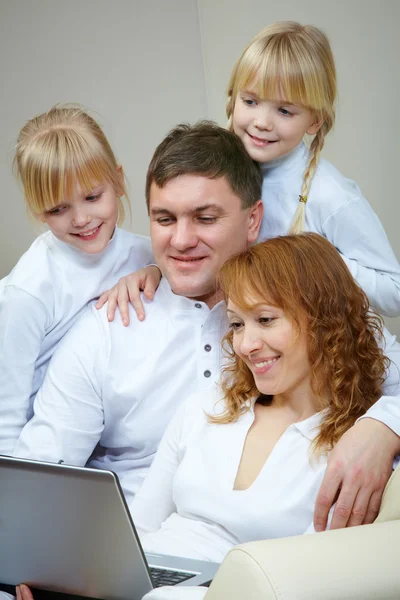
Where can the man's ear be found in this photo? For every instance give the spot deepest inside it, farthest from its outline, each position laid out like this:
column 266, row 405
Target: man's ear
column 255, row 217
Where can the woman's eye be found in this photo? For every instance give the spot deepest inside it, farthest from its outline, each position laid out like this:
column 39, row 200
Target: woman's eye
column 266, row 320
column 235, row 325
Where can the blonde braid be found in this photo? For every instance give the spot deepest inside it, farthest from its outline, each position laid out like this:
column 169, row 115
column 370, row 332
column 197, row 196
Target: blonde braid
column 317, row 144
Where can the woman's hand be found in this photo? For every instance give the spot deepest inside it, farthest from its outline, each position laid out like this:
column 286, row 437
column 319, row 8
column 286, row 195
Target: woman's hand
column 23, row 592
column 128, row 290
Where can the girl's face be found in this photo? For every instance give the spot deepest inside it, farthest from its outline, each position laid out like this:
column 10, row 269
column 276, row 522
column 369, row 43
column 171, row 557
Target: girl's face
column 270, row 129
column 273, row 348
column 85, row 221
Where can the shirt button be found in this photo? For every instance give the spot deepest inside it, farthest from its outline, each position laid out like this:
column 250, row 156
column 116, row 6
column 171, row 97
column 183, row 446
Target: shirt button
column 198, row 305
column 207, row 347
column 207, row 373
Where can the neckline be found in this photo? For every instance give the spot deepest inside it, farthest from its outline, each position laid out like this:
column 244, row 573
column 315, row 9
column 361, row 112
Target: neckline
column 296, row 160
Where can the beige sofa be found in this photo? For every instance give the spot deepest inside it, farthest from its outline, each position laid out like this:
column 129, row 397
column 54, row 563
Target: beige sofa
column 358, row 563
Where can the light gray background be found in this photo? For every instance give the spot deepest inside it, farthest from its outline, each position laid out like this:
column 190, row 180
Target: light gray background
column 143, row 66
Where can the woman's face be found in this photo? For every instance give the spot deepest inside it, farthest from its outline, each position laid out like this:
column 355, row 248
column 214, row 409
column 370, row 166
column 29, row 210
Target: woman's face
column 272, row 346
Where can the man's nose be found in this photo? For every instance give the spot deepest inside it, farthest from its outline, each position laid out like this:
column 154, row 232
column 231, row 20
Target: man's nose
column 184, row 236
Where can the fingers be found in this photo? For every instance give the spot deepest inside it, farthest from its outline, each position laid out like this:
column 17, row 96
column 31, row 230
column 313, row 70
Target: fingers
column 138, row 306
column 151, row 281
column 326, row 496
column 25, row 592
column 103, row 299
column 359, row 508
column 374, row 506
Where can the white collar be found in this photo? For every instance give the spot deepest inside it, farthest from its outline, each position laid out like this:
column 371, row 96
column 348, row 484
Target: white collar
column 296, row 160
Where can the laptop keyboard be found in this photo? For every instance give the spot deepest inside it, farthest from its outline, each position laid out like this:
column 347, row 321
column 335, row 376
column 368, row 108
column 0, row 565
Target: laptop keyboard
column 167, row 577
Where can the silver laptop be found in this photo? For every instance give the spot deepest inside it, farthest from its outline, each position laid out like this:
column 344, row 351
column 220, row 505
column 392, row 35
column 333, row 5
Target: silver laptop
column 68, row 529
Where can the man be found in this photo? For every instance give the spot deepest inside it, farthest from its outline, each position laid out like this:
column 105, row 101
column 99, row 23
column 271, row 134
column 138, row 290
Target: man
column 111, row 390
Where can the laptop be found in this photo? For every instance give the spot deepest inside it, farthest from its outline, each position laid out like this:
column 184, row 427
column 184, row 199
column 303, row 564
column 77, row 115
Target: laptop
column 68, row 529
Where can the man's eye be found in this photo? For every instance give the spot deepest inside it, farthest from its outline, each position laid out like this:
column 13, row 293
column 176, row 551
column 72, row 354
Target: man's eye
column 164, row 220
column 207, row 220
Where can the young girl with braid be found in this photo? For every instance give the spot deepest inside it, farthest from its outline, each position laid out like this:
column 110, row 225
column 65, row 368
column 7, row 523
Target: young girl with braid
column 283, row 87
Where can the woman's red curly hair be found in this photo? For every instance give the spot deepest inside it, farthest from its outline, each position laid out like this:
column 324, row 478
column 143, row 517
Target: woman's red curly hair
column 305, row 276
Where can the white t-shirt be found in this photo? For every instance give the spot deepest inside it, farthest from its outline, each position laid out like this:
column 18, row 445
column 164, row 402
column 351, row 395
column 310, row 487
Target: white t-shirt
column 39, row 301
column 110, row 391
column 337, row 210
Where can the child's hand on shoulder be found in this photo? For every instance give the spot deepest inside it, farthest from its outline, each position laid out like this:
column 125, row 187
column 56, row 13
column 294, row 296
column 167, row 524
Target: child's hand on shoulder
column 127, row 290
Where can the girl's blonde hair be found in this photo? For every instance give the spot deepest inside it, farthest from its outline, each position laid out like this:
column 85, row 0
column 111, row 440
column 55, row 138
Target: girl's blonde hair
column 306, row 277
column 58, row 150
column 294, row 61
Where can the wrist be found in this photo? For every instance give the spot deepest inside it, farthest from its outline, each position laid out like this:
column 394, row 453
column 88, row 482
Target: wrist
column 390, row 437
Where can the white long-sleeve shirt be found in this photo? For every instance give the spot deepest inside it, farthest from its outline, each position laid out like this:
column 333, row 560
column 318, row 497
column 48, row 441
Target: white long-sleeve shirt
column 188, row 506
column 110, row 391
column 39, row 301
column 337, row 210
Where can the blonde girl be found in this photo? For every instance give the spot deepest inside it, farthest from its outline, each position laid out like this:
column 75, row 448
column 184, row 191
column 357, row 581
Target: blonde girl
column 73, row 183
column 283, row 87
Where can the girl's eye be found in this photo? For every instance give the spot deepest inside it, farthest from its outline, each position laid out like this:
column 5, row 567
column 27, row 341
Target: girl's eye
column 249, row 101
column 57, row 210
column 235, row 325
column 285, row 112
column 93, row 197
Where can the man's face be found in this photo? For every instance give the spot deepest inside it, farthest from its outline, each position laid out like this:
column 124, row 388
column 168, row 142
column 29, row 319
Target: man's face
column 196, row 224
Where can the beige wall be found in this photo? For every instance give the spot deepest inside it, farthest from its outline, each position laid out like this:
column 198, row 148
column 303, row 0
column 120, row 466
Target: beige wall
column 366, row 44
column 136, row 64
column 144, row 66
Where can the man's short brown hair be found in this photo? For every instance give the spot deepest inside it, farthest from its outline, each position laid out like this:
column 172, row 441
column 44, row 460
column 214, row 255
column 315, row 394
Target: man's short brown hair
column 210, row 151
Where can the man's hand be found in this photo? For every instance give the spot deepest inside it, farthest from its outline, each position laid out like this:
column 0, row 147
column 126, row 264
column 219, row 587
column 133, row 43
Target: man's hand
column 128, row 290
column 358, row 469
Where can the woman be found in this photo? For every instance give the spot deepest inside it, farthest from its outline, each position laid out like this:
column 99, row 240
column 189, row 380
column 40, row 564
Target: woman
column 304, row 363
column 245, row 461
